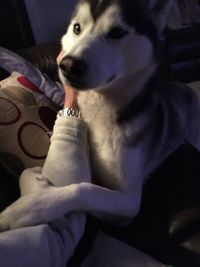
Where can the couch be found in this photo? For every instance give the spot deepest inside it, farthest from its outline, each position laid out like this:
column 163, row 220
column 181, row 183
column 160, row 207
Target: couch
column 168, row 225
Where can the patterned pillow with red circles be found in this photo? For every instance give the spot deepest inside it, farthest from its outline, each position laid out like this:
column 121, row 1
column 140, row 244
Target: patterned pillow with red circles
column 27, row 117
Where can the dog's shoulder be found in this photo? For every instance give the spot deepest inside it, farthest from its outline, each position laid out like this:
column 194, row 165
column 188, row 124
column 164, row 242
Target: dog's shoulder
column 174, row 117
column 189, row 105
column 179, row 103
column 159, row 110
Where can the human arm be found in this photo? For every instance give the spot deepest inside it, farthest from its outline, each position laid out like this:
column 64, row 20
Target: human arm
column 68, row 153
column 67, row 158
column 67, row 162
column 116, row 206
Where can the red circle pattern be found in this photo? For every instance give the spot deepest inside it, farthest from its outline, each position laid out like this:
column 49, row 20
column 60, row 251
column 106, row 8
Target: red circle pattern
column 16, row 113
column 32, row 133
column 23, row 141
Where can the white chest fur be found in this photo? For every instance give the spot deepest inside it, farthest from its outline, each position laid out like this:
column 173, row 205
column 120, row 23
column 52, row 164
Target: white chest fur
column 105, row 138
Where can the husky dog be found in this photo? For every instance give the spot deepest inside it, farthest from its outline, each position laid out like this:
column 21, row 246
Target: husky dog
column 111, row 56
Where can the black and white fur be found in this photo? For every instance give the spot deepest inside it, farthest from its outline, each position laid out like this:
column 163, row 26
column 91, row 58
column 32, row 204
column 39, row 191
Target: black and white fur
column 111, row 56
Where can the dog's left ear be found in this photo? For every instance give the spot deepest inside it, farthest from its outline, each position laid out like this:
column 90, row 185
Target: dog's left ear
column 159, row 10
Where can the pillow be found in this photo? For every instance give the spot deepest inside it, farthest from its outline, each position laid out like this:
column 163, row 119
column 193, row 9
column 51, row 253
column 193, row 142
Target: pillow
column 10, row 61
column 26, row 119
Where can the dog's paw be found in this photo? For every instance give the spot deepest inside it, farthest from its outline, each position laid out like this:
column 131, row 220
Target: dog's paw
column 36, row 208
column 24, row 212
column 15, row 215
column 4, row 224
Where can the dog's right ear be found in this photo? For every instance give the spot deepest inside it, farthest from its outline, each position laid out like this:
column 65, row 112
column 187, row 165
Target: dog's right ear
column 159, row 10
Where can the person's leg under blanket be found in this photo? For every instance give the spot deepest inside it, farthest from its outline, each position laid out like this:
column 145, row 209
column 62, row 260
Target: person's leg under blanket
column 108, row 251
column 51, row 245
column 39, row 246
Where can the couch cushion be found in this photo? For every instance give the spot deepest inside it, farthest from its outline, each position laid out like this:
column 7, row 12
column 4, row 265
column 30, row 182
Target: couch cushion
column 26, row 119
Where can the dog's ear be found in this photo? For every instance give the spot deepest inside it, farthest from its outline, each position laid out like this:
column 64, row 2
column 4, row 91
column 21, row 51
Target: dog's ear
column 159, row 10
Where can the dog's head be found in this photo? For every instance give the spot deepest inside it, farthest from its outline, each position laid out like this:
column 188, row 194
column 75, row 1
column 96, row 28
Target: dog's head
column 109, row 39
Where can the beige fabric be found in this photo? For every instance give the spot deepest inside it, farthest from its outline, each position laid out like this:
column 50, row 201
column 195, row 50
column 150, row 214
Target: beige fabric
column 26, row 118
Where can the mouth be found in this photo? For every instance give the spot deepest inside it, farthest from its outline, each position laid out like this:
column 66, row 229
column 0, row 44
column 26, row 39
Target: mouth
column 81, row 85
column 73, row 81
column 77, row 85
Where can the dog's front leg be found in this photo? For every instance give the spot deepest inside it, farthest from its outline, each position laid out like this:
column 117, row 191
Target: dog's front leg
column 32, row 209
column 39, row 207
column 117, row 207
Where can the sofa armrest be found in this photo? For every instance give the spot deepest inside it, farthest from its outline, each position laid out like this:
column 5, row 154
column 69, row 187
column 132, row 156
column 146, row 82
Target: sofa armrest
column 183, row 54
column 44, row 58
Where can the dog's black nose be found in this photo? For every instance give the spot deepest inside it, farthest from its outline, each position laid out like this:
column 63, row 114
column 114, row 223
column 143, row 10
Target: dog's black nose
column 72, row 67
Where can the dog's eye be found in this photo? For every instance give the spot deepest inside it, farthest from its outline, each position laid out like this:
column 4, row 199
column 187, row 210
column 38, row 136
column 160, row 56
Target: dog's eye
column 117, row 33
column 77, row 28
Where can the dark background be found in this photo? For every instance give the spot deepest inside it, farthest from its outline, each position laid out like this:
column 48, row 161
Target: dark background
column 15, row 29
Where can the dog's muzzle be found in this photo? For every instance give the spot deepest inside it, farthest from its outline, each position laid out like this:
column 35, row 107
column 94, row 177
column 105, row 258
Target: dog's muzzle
column 73, row 68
